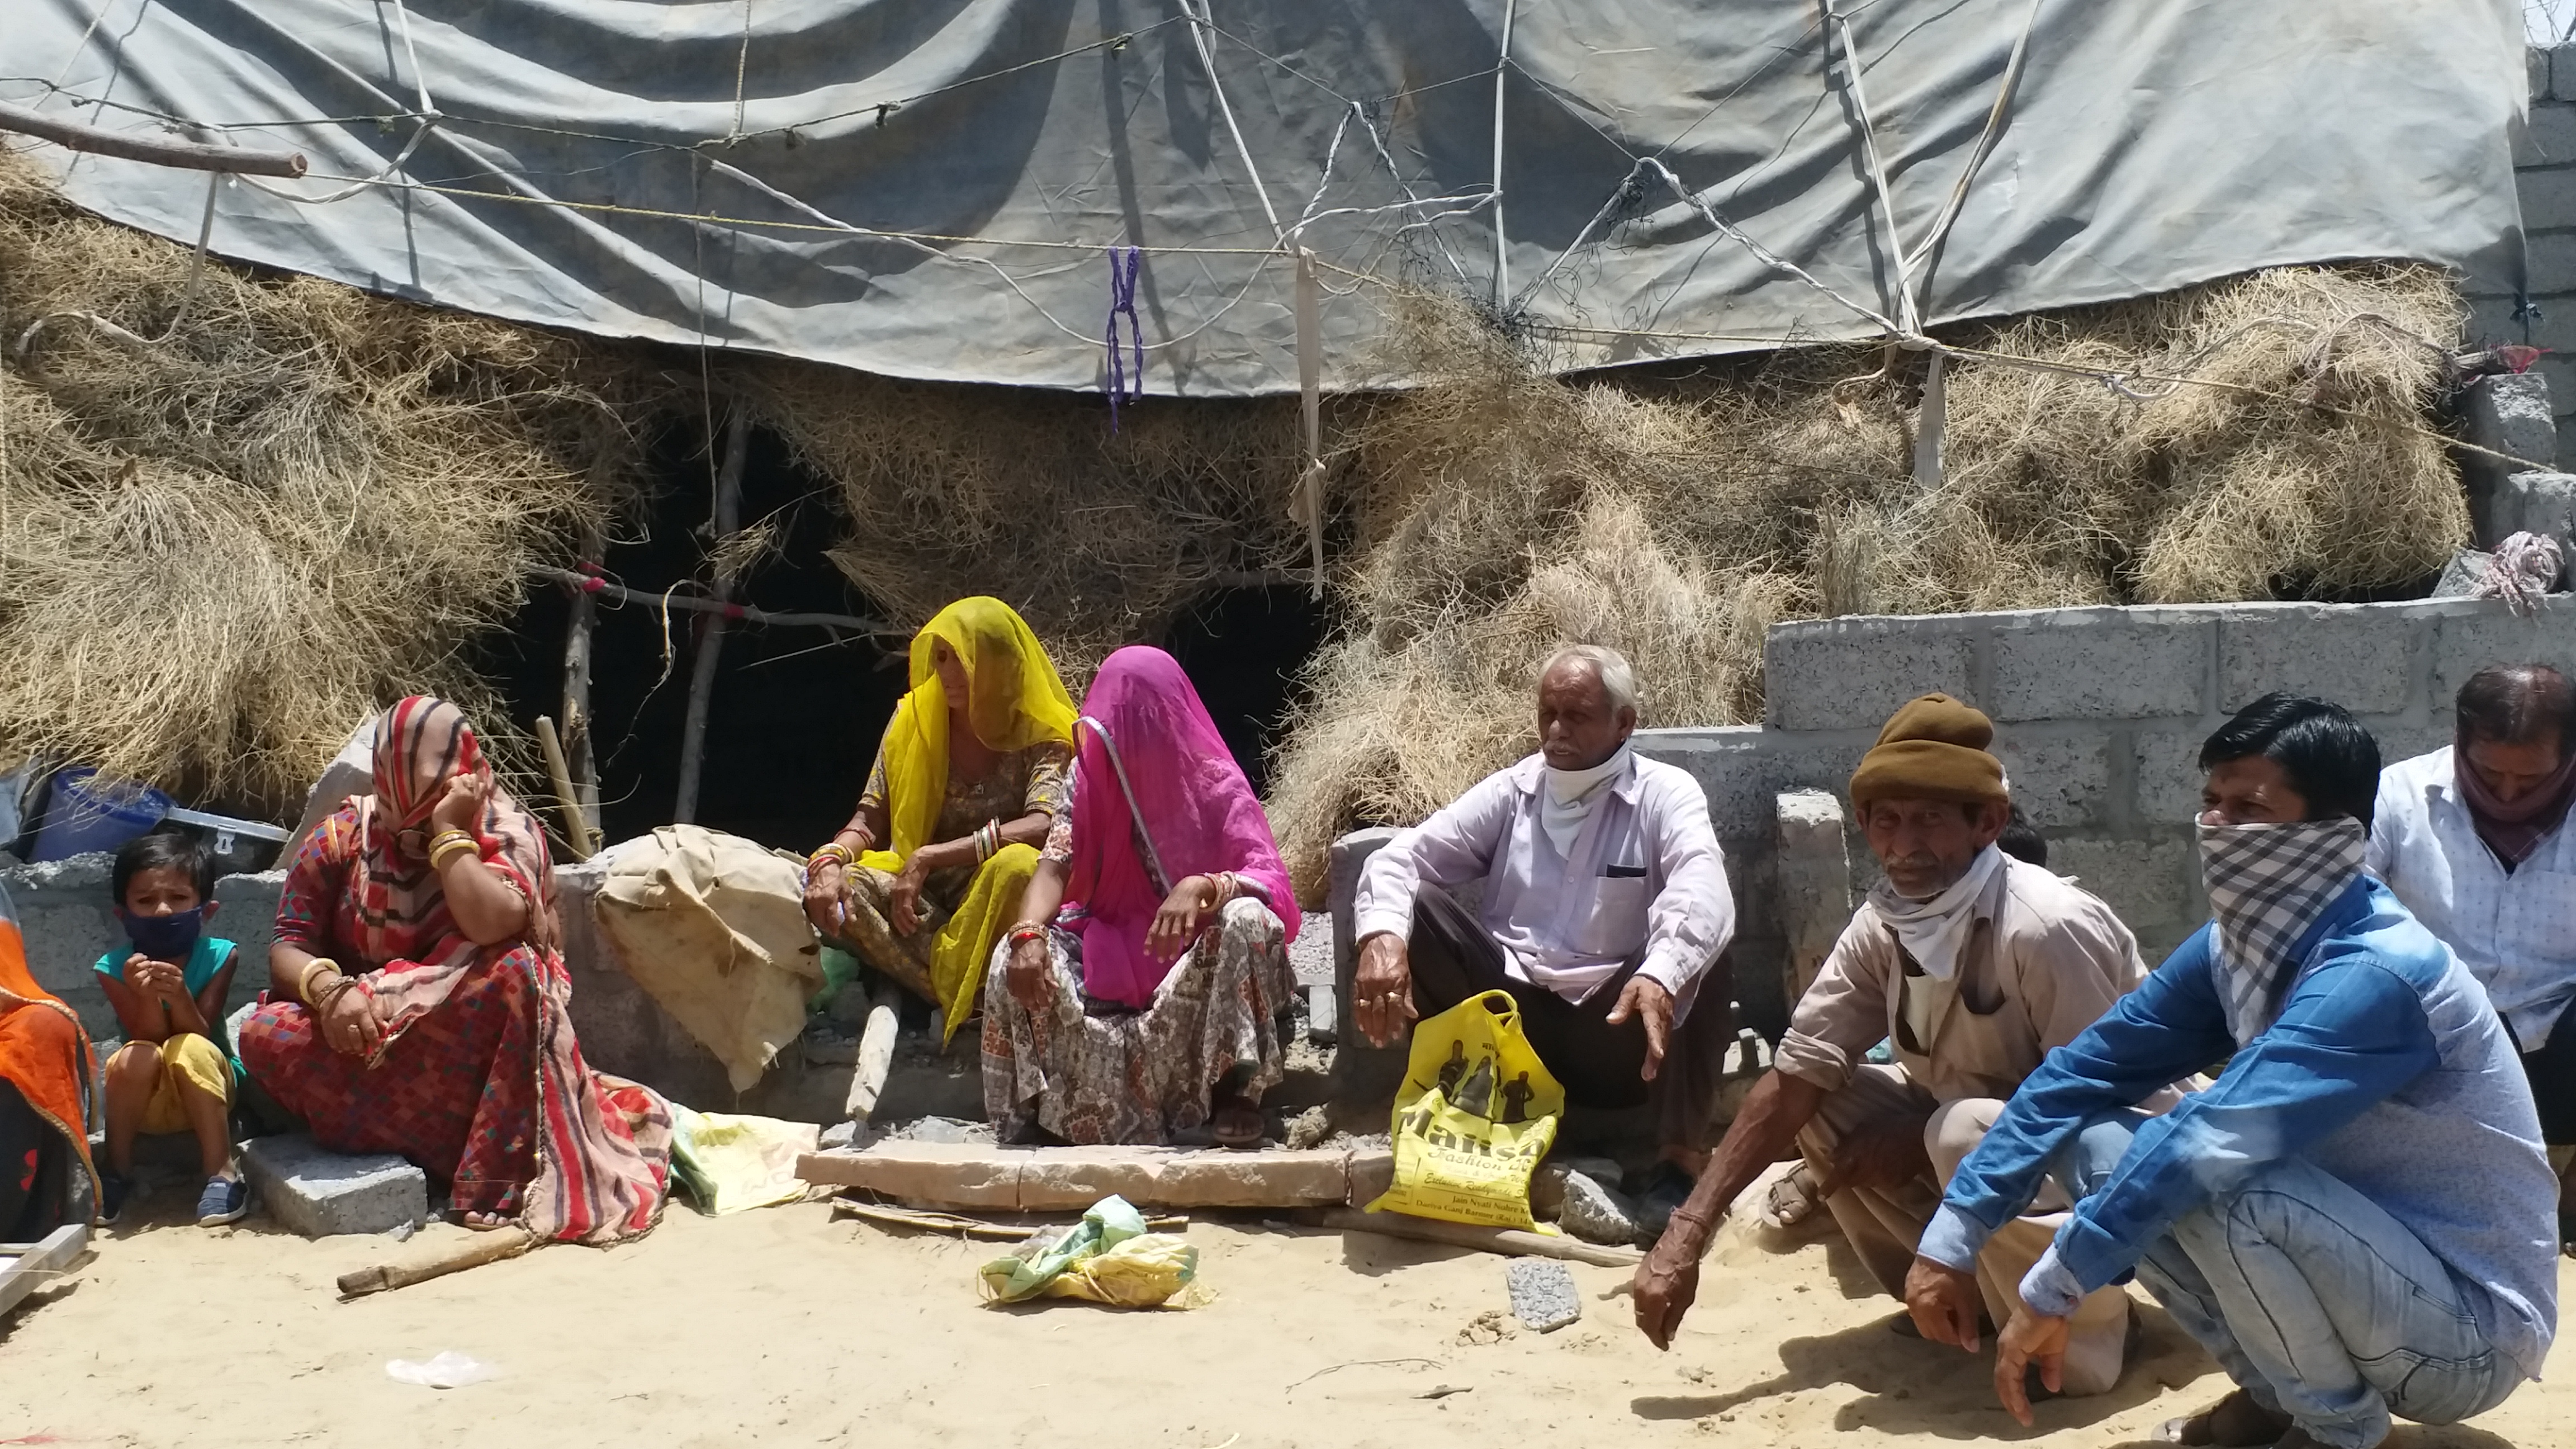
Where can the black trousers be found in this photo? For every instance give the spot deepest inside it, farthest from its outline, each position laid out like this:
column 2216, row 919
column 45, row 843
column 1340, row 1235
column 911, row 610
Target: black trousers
column 35, row 1171
column 1599, row 1064
column 2552, row 1073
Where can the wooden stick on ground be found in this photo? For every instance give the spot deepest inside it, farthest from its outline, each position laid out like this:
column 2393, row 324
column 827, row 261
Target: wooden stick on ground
column 473, row 1252
column 932, row 1221
column 1510, row 1242
column 876, row 1057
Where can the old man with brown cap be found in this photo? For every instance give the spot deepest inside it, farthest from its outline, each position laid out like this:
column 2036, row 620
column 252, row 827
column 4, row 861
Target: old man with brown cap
column 1972, row 965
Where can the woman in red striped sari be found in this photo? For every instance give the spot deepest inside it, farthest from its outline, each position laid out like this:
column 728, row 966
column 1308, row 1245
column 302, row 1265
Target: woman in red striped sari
column 417, row 1001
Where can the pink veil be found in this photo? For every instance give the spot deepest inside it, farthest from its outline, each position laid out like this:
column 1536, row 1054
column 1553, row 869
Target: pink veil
column 1195, row 807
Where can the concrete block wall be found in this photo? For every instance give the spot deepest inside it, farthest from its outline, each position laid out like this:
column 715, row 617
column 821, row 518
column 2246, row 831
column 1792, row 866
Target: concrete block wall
column 2100, row 714
column 2545, row 175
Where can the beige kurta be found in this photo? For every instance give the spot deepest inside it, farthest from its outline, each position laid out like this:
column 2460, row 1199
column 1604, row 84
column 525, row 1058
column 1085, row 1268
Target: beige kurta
column 2044, row 961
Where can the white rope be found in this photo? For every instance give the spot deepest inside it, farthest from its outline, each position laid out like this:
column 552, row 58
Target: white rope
column 1502, row 246
column 1200, row 24
column 1841, row 27
column 428, row 117
column 1764, row 254
column 1985, row 146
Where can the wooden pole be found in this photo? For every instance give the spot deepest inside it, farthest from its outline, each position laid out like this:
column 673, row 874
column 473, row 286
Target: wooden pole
column 1511, row 1242
column 876, row 1058
column 195, row 155
column 473, row 1252
column 579, row 843
column 579, row 762
column 702, row 678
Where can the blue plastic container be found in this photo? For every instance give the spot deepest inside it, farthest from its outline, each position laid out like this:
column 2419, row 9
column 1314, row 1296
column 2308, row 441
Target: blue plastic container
column 84, row 813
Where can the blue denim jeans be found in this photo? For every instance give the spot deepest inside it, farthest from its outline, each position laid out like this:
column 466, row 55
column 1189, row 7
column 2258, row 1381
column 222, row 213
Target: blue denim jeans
column 2314, row 1299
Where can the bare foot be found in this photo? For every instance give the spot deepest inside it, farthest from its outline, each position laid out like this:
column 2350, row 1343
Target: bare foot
column 485, row 1222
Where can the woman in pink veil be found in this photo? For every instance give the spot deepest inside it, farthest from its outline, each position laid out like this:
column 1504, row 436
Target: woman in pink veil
column 1139, row 997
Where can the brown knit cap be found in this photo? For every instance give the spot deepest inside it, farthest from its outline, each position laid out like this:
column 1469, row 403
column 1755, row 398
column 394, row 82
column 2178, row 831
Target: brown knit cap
column 1933, row 748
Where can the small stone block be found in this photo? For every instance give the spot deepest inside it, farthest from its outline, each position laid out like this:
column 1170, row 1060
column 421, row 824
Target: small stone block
column 1372, row 1174
column 943, row 1174
column 1597, row 1214
column 1050, row 1179
column 320, row 1194
column 1543, row 1294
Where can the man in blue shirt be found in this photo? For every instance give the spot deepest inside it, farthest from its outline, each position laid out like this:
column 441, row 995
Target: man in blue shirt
column 2356, row 1220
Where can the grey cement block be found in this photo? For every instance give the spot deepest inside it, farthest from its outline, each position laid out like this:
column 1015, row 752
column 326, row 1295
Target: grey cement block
column 2168, row 776
column 246, row 913
column 1360, row 1071
column 1813, row 861
column 2525, row 502
column 2102, row 664
column 2535, row 65
column 2550, row 258
column 2562, row 70
column 2461, row 575
column 1821, row 674
column 2060, row 781
column 1543, row 1294
column 65, row 916
column 2152, row 884
column 1742, row 768
column 2548, row 137
column 2511, row 415
column 2359, row 658
column 318, row 1193
column 2548, row 199
column 2470, row 635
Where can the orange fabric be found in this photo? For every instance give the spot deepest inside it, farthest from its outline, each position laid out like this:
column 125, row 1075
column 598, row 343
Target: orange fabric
column 43, row 1051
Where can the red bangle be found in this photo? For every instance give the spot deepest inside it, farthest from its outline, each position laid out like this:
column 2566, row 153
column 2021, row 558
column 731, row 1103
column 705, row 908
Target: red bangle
column 1027, row 931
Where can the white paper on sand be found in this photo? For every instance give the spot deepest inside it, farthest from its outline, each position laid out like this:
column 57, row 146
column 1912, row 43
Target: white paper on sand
column 450, row 1370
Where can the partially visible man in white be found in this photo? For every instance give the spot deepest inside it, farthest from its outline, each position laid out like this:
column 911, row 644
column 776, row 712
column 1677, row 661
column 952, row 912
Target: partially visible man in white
column 2472, row 839
column 1605, row 907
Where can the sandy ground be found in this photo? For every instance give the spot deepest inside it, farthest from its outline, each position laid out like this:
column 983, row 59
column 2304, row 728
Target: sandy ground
column 783, row 1327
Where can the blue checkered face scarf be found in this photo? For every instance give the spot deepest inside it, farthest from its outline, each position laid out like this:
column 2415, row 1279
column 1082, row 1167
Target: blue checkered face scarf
column 2267, row 885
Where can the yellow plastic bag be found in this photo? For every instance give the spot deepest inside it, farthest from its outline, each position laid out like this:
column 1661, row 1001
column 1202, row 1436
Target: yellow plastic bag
column 1477, row 1112
column 1108, row 1257
column 1142, row 1272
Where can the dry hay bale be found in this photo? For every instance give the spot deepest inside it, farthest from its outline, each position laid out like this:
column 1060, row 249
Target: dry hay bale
column 1504, row 511
column 1099, row 538
column 221, row 547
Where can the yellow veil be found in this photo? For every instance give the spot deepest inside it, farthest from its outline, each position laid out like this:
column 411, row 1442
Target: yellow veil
column 1014, row 699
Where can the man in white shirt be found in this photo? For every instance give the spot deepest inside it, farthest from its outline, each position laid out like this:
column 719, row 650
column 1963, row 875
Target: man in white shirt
column 1605, row 904
column 2473, row 840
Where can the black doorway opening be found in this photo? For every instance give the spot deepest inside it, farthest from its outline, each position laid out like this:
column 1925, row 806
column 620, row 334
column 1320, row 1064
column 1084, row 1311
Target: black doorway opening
column 794, row 719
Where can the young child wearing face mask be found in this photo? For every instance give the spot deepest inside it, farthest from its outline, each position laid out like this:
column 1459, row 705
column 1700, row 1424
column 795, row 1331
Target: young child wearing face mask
column 168, row 986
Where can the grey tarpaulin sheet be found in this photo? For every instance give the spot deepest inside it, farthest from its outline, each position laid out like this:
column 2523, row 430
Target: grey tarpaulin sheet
column 924, row 188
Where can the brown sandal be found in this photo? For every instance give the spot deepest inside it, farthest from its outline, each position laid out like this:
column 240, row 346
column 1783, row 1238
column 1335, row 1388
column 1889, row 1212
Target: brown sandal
column 2234, row 1422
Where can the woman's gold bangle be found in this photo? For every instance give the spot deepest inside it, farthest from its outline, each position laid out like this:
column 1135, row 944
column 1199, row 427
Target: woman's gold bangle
column 448, row 845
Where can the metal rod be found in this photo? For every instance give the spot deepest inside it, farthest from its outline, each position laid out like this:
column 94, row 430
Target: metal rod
column 195, row 155
column 745, row 613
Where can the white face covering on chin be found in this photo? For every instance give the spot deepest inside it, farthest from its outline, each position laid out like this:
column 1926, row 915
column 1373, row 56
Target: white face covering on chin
column 1570, row 795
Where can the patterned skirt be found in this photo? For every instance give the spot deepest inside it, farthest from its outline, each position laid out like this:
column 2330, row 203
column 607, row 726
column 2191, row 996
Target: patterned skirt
column 1107, row 1074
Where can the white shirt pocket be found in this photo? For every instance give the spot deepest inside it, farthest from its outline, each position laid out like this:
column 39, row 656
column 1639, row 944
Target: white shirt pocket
column 1611, row 921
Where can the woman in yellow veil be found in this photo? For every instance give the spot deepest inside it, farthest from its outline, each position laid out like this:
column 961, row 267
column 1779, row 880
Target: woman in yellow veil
column 970, row 775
